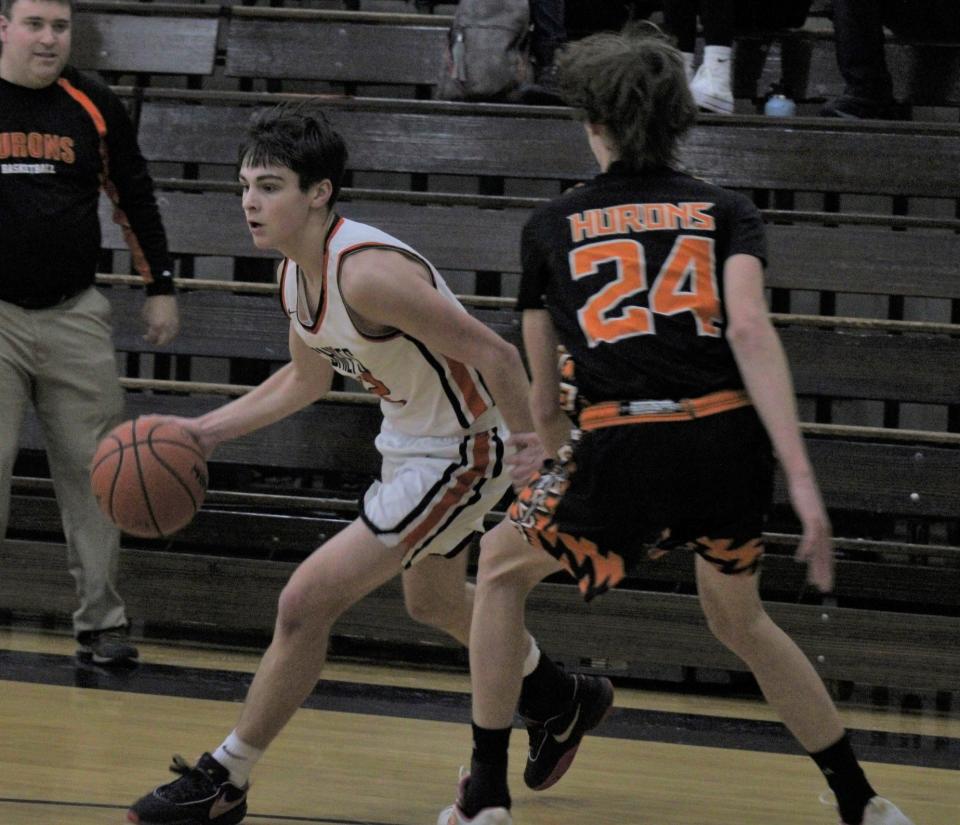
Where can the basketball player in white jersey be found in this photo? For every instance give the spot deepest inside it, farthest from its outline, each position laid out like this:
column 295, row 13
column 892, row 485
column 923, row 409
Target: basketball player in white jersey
column 452, row 392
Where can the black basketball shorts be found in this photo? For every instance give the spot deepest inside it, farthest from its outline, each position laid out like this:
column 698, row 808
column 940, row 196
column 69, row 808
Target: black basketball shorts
column 634, row 491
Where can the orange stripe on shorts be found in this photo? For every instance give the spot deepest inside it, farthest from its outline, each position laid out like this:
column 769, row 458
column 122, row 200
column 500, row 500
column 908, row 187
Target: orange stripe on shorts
column 461, row 487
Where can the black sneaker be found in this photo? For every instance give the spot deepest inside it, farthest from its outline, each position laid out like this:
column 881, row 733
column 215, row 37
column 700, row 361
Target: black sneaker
column 106, row 647
column 203, row 795
column 554, row 743
column 544, row 91
column 850, row 107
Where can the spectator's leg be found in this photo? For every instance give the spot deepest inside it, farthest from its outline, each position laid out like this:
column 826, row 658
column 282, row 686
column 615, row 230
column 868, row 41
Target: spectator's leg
column 859, row 38
column 943, row 15
column 15, row 357
column 764, row 16
column 711, row 86
column 78, row 400
column 933, row 20
column 549, row 31
column 548, row 18
column 717, row 18
column 680, row 19
column 909, row 18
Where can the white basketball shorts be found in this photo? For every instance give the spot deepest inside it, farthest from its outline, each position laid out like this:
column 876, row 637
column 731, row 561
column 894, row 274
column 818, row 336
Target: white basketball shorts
column 434, row 492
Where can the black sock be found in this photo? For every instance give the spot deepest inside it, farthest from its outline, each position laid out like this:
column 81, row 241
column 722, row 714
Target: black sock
column 846, row 779
column 546, row 692
column 487, row 787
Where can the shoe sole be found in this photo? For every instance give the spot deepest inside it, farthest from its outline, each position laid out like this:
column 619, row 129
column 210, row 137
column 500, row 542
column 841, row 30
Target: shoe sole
column 234, row 817
column 449, row 816
column 565, row 761
column 711, row 103
column 844, row 116
column 92, row 658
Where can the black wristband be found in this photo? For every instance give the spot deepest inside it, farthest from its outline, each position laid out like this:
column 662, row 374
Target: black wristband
column 162, row 284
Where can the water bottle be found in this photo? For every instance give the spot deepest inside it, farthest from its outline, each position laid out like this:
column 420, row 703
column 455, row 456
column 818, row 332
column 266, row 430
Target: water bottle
column 778, row 104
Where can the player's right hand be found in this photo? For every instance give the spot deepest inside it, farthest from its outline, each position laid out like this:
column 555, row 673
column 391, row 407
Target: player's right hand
column 192, row 426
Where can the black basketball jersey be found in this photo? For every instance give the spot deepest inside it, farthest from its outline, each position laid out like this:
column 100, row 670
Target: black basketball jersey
column 630, row 268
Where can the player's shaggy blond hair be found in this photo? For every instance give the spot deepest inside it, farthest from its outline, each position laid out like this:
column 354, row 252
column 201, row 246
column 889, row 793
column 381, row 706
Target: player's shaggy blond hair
column 633, row 83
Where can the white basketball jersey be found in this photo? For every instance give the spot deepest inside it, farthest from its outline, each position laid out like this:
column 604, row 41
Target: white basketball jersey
column 422, row 393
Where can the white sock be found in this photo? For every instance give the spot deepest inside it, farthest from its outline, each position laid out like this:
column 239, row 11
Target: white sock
column 716, row 57
column 688, row 58
column 533, row 658
column 237, row 757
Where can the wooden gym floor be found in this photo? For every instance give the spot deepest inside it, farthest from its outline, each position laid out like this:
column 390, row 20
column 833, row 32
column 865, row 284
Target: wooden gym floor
column 381, row 746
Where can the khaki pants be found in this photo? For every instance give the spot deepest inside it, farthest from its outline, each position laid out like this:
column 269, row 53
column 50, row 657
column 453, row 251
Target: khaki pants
column 61, row 360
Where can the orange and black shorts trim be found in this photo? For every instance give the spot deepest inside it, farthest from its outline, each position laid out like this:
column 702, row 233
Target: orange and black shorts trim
column 619, row 413
column 597, row 568
column 731, row 556
column 533, row 513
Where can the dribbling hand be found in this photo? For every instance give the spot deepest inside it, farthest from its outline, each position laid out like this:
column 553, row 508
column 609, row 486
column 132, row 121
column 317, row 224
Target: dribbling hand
column 525, row 455
column 188, row 424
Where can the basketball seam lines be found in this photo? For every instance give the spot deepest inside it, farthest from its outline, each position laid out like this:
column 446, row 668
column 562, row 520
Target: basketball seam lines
column 116, row 472
column 143, row 486
column 160, row 460
column 120, row 447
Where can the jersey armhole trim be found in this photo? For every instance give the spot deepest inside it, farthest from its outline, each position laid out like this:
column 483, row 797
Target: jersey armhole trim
column 360, row 247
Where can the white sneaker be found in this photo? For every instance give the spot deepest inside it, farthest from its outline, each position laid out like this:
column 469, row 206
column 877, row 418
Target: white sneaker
column 452, row 815
column 488, row 816
column 879, row 811
column 710, row 88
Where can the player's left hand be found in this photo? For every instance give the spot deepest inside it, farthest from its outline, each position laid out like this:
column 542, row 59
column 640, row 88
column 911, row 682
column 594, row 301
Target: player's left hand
column 162, row 318
column 525, row 455
column 816, row 543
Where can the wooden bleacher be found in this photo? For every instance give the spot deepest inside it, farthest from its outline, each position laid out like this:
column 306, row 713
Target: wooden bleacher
column 305, row 44
column 119, row 38
column 342, row 47
column 542, row 143
column 894, row 488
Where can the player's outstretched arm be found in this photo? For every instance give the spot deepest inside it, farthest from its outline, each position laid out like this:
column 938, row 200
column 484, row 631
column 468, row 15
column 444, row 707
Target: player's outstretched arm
column 307, row 378
column 763, row 365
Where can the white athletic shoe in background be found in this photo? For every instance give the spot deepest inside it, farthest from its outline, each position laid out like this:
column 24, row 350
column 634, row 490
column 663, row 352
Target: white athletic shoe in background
column 452, row 815
column 710, row 88
column 488, row 816
column 879, row 811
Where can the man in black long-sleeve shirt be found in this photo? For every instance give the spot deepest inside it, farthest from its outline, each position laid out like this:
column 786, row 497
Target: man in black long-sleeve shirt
column 64, row 136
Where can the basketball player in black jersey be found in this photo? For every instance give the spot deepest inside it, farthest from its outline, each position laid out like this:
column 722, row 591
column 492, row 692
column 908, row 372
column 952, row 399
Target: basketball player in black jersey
column 650, row 282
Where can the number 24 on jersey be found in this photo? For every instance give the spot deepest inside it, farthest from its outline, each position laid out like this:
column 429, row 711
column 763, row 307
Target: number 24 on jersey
column 687, row 282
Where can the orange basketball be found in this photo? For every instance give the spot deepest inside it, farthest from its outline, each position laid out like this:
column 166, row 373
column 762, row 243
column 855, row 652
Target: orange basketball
column 149, row 477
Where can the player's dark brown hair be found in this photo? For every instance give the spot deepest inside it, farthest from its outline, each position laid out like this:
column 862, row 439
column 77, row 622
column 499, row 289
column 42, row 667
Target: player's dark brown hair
column 297, row 135
column 633, row 83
